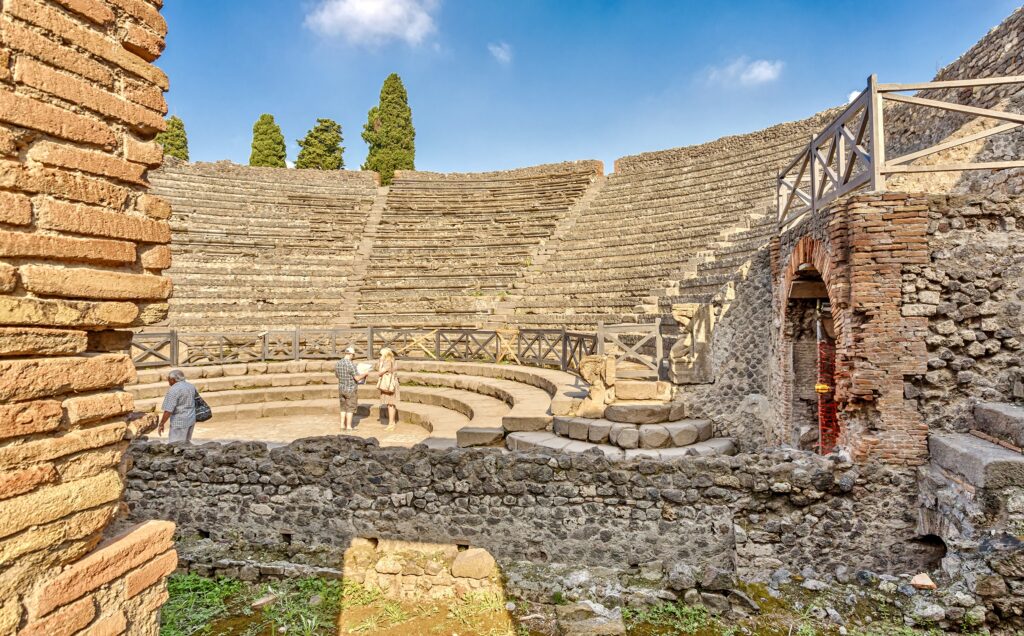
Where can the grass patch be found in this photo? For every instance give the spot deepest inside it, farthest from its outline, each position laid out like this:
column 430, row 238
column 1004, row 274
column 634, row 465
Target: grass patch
column 195, row 602
column 682, row 618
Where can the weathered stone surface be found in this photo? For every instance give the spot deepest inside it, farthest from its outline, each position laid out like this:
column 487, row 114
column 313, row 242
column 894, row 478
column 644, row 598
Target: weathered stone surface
column 151, row 314
column 639, row 412
column 1004, row 421
column 654, row 436
column 8, row 278
column 49, row 448
column 155, row 257
column 15, row 209
column 109, row 341
column 64, row 313
column 48, row 504
column 64, row 622
column 30, row 379
column 44, row 246
column 94, row 408
column 474, row 563
column 115, row 557
column 17, row 482
column 20, row 341
column 150, row 573
column 96, row 221
column 27, row 418
column 90, row 283
column 983, row 464
column 479, row 436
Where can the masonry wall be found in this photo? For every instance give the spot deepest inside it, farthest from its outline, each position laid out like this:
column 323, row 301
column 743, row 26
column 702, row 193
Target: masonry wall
column 746, row 515
column 971, row 293
column 862, row 246
column 82, row 246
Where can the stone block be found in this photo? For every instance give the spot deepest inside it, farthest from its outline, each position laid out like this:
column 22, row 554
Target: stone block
column 682, row 433
column 148, row 153
column 15, row 209
column 53, row 502
column 579, row 429
column 134, row 547
column 1004, row 421
column 526, row 423
column 22, row 341
column 474, row 563
column 8, row 278
column 45, row 246
column 654, row 436
column 110, row 341
column 154, row 207
column 479, row 436
column 94, row 284
column 625, row 437
column 48, row 448
column 95, row 221
column 65, row 313
column 599, row 431
column 28, row 379
column 93, row 10
column 18, row 482
column 97, row 163
column 66, row 621
column 27, row 418
column 150, row 573
column 87, row 409
column 643, row 390
column 21, row 38
column 155, row 257
column 638, row 412
column 983, row 464
column 28, row 112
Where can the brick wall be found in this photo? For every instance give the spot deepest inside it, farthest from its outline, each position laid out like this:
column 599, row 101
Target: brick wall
column 81, row 251
column 863, row 245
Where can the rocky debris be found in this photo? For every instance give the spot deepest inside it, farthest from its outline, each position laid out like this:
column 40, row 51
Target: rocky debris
column 587, row 618
column 923, row 582
column 474, row 563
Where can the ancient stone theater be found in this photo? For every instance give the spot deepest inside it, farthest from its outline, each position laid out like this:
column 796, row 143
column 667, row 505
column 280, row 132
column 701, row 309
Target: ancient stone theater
column 793, row 355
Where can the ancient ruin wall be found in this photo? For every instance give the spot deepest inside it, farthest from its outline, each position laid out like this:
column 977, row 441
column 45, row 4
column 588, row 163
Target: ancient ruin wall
column 263, row 248
column 971, row 292
column 82, row 247
column 746, row 515
column 862, row 246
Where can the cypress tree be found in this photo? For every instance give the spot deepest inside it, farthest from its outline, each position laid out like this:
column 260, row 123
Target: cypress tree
column 321, row 148
column 267, row 143
column 173, row 139
column 389, row 132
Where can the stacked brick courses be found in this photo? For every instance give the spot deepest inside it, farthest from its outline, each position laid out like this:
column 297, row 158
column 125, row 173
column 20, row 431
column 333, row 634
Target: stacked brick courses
column 80, row 263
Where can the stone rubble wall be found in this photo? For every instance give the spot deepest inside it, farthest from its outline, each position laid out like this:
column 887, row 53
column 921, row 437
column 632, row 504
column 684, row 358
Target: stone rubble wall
column 263, row 248
column 701, row 517
column 971, row 293
column 82, row 248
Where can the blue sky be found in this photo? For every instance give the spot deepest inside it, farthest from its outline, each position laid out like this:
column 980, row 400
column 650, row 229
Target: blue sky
column 497, row 85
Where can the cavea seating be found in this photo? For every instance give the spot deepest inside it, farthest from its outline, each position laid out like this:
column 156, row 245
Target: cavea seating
column 258, row 248
column 448, row 246
column 655, row 213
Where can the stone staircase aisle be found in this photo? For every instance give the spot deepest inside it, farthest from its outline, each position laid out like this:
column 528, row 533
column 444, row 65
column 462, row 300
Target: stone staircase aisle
column 362, row 255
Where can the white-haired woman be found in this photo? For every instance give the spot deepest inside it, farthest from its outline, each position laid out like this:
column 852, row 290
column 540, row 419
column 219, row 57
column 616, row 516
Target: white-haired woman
column 388, row 384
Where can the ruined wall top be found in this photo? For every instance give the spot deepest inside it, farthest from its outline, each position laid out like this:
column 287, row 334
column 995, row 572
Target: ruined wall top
column 584, row 165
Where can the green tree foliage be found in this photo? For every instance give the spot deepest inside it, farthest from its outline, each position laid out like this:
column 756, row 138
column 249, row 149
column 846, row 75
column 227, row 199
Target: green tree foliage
column 389, row 132
column 321, row 148
column 267, row 143
column 173, row 139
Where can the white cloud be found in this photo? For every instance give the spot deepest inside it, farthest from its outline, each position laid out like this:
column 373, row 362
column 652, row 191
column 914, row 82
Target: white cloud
column 852, row 96
column 746, row 72
column 502, row 51
column 289, row 164
column 374, row 22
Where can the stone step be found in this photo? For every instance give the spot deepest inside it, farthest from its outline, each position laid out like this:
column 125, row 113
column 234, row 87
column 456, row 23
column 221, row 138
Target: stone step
column 1001, row 420
column 645, row 412
column 982, row 463
column 479, row 436
column 601, row 431
column 548, row 441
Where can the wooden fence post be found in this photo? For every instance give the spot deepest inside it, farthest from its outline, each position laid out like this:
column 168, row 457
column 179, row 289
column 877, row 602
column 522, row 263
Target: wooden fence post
column 875, row 105
column 295, row 344
column 174, row 348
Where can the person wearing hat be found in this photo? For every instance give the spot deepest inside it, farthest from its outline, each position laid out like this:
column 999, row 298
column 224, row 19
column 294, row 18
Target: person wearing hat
column 348, row 387
column 388, row 384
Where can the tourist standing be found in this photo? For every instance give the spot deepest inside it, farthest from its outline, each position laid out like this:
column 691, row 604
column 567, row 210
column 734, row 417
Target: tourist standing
column 348, row 387
column 179, row 408
column 388, row 384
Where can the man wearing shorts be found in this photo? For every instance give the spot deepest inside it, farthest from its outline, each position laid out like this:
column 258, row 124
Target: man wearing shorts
column 348, row 387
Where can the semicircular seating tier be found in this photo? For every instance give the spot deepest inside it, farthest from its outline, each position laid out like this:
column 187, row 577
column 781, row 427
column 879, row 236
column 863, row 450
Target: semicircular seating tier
column 658, row 216
column 449, row 246
column 262, row 248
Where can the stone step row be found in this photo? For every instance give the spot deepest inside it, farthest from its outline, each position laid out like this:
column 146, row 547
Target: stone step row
column 541, row 440
column 603, row 431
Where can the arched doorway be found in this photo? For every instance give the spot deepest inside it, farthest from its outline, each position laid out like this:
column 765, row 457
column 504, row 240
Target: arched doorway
column 810, row 360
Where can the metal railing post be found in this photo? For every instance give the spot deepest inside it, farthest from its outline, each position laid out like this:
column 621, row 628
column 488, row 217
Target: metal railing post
column 877, row 148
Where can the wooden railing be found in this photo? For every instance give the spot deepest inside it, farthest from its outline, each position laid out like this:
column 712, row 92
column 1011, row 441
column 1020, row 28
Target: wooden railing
column 849, row 154
column 558, row 348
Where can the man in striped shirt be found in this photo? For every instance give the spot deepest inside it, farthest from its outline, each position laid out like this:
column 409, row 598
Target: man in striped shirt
column 348, row 387
column 179, row 408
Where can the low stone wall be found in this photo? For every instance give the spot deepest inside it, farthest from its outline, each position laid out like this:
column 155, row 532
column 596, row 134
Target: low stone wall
column 702, row 521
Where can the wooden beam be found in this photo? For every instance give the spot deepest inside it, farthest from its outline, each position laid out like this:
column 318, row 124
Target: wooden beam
column 922, row 86
column 952, row 144
column 957, row 167
column 807, row 289
column 959, row 108
column 875, row 107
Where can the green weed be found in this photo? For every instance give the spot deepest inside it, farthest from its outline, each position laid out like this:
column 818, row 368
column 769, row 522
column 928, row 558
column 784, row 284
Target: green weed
column 685, row 619
column 194, row 602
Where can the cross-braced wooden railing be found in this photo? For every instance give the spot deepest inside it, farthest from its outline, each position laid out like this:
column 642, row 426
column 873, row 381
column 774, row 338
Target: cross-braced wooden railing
column 560, row 348
column 849, row 154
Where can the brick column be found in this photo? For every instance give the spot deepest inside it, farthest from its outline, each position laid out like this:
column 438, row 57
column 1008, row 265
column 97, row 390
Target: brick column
column 82, row 247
